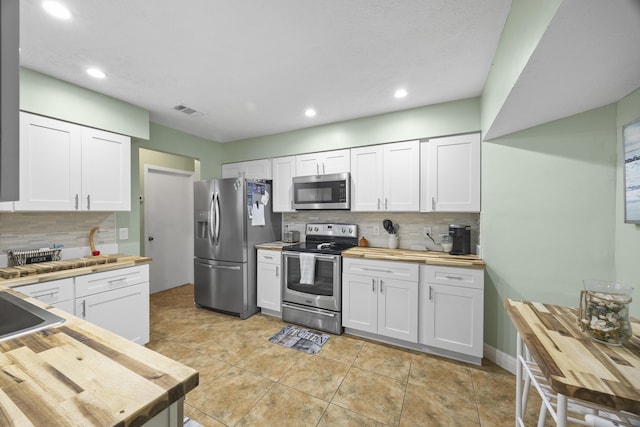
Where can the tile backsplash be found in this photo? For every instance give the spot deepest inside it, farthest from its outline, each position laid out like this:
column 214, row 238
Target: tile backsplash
column 44, row 229
column 410, row 233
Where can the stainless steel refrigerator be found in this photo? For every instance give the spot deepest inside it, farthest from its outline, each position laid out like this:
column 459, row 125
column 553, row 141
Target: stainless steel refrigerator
column 232, row 215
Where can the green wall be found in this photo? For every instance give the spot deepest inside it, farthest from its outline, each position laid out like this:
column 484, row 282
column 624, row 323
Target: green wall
column 169, row 141
column 434, row 120
column 525, row 26
column 627, row 235
column 548, row 214
column 48, row 96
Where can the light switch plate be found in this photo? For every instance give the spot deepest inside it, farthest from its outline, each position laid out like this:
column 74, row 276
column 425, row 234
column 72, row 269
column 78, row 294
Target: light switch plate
column 123, row 233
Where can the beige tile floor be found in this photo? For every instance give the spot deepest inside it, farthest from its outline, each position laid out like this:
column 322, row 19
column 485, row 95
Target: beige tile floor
column 247, row 381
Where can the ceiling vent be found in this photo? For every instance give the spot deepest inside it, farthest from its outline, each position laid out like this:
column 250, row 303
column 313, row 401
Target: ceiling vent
column 188, row 111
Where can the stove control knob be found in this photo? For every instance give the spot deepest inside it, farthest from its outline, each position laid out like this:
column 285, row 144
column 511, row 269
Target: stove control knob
column 343, row 230
column 310, row 228
column 349, row 231
column 316, row 229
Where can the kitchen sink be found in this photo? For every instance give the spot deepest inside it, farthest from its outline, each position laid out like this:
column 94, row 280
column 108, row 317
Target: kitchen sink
column 18, row 317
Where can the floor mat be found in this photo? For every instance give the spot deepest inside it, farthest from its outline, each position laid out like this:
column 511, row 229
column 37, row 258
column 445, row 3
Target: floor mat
column 300, row 339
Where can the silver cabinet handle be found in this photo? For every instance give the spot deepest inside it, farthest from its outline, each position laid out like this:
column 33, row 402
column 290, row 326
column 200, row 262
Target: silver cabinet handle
column 386, row 204
column 267, row 256
column 76, row 201
column 454, row 277
column 373, row 284
column 381, row 289
column 323, row 169
column 84, row 308
column 376, row 269
column 433, row 203
column 88, row 202
column 277, row 271
column 430, row 293
column 291, row 204
column 378, row 203
column 317, row 168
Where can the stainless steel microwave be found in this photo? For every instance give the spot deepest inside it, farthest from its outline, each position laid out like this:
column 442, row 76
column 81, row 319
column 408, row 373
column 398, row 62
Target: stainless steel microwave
column 331, row 191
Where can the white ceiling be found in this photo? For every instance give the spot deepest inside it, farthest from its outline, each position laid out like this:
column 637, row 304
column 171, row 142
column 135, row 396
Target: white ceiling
column 253, row 67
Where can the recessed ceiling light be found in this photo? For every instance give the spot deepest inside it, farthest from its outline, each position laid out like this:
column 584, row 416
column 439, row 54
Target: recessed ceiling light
column 94, row 72
column 56, row 9
column 400, row 93
column 310, row 112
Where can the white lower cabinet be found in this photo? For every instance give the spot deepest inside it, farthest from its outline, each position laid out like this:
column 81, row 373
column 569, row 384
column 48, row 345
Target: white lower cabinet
column 381, row 297
column 58, row 293
column 117, row 300
column 269, row 280
column 452, row 309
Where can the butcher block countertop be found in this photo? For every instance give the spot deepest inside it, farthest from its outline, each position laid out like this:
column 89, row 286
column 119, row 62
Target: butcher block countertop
column 45, row 271
column 274, row 246
column 79, row 374
column 574, row 364
column 422, row 257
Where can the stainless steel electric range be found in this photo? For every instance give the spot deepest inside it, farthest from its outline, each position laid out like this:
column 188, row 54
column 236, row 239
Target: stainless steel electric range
column 312, row 288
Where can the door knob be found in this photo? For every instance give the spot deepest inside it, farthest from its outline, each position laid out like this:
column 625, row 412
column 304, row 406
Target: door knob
column 150, row 238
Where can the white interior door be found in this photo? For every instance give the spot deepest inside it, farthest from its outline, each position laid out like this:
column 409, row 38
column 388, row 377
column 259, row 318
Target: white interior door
column 168, row 226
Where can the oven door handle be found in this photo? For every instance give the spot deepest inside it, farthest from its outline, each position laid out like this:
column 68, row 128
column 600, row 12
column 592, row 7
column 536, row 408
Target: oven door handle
column 326, row 257
column 309, row 310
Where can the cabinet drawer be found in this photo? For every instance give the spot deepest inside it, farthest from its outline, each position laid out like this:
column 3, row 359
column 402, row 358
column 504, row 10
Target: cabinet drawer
column 50, row 292
column 465, row 277
column 383, row 269
column 108, row 280
column 269, row 257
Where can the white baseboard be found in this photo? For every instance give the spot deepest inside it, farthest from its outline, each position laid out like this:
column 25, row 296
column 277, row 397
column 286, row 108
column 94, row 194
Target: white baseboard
column 500, row 358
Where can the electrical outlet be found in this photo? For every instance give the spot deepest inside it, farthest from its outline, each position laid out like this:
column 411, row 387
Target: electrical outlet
column 123, row 233
column 376, row 230
column 426, row 231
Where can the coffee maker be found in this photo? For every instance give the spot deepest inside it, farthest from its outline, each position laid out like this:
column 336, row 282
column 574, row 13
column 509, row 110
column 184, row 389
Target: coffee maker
column 461, row 239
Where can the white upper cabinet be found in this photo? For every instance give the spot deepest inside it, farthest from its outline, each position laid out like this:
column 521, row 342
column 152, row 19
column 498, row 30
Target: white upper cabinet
column 252, row 169
column 106, row 171
column 325, row 162
column 386, row 177
column 450, row 175
column 67, row 167
column 284, row 169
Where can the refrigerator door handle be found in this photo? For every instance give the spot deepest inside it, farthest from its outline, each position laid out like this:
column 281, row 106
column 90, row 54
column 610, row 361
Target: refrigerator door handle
column 216, row 202
column 222, row 267
column 211, row 236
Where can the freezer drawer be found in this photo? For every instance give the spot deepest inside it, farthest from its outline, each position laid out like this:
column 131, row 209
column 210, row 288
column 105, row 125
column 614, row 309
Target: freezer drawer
column 221, row 286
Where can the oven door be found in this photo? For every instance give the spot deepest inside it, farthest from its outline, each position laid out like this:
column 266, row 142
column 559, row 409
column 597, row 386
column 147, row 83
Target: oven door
column 325, row 291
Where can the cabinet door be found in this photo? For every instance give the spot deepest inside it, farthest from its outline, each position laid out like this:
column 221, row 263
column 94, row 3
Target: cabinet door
column 233, row 170
column 123, row 311
column 366, row 179
column 336, row 161
column 360, row 302
column 269, row 286
column 452, row 179
column 402, row 176
column 258, row 169
column 452, row 318
column 49, row 164
column 398, row 309
column 309, row 164
column 284, row 169
column 106, row 171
